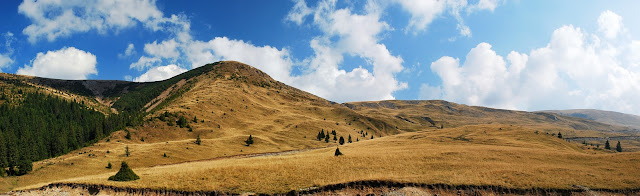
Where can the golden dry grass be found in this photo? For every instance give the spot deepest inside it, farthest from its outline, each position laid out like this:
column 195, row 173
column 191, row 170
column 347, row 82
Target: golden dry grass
column 472, row 155
column 478, row 146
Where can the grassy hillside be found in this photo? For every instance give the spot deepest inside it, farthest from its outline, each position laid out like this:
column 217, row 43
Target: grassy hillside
column 405, row 141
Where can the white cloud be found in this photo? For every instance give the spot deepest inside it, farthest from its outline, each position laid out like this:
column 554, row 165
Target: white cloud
column 423, row 12
column 164, row 49
column 299, row 12
column 131, row 50
column 5, row 58
column 66, row 63
column 576, row 69
column 53, row 18
column 610, row 24
column 144, row 62
column 5, row 61
column 160, row 73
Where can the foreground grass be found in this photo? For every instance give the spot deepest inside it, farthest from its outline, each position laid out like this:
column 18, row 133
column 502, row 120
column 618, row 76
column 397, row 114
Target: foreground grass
column 474, row 155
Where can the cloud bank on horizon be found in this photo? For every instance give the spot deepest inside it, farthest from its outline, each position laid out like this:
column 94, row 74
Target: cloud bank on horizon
column 577, row 68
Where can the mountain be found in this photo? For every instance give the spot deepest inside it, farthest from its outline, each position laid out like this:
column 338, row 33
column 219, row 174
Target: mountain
column 220, row 105
column 608, row 117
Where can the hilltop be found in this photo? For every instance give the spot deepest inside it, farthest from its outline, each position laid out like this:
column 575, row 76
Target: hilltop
column 223, row 103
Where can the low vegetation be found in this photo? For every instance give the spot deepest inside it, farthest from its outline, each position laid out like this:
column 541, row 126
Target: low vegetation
column 124, row 174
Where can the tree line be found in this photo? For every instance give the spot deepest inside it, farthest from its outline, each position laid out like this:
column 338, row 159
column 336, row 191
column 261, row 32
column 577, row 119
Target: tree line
column 42, row 126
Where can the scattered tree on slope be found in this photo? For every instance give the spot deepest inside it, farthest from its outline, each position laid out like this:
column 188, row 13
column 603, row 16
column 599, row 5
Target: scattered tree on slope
column 124, row 174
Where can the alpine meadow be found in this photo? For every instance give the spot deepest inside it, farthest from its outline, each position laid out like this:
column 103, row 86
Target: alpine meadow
column 326, row 97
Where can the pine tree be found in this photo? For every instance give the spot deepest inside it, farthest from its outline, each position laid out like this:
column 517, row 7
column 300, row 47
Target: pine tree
column 338, row 153
column 326, row 138
column 195, row 119
column 124, row 174
column 109, row 166
column 618, row 147
column 606, row 145
column 126, row 151
column 335, row 138
column 249, row 140
column 559, row 135
column 341, row 140
column 198, row 141
column 128, row 136
column 333, row 132
column 371, row 136
column 349, row 138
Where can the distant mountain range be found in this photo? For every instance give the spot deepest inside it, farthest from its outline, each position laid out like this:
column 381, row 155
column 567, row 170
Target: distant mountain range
column 608, row 117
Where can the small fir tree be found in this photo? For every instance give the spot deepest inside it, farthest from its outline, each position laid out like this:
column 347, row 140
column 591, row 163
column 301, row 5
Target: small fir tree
column 607, row 145
column 128, row 136
column 109, row 166
column 618, row 147
column 124, row 174
column 249, row 140
column 126, row 151
column 349, row 138
column 559, row 135
column 326, row 138
column 195, row 119
column 341, row 140
column 335, row 139
column 198, row 141
column 338, row 153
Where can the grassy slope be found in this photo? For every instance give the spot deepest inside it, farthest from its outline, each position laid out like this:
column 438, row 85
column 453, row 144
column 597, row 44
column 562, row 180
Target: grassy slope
column 503, row 155
column 503, row 150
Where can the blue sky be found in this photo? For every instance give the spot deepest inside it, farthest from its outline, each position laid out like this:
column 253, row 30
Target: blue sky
column 525, row 55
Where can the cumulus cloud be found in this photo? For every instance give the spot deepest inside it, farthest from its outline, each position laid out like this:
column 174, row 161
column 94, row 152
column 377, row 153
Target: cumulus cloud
column 160, row 73
column 164, row 49
column 610, row 24
column 576, row 69
column 299, row 11
column 66, row 63
column 5, row 61
column 52, row 19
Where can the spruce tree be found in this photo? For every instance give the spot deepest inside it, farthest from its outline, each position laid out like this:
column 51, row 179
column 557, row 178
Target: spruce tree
column 124, row 174
column 126, row 151
column 335, row 138
column 249, row 140
column 559, row 135
column 349, row 138
column 195, row 119
column 606, row 145
column 326, row 138
column 109, row 166
column 198, row 141
column 341, row 140
column 618, row 147
column 338, row 153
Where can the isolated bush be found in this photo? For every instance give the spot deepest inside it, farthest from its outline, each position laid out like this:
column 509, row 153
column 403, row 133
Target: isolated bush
column 559, row 135
column 249, row 140
column 198, row 141
column 341, row 140
column 182, row 122
column 109, row 166
column 338, row 153
column 124, row 174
